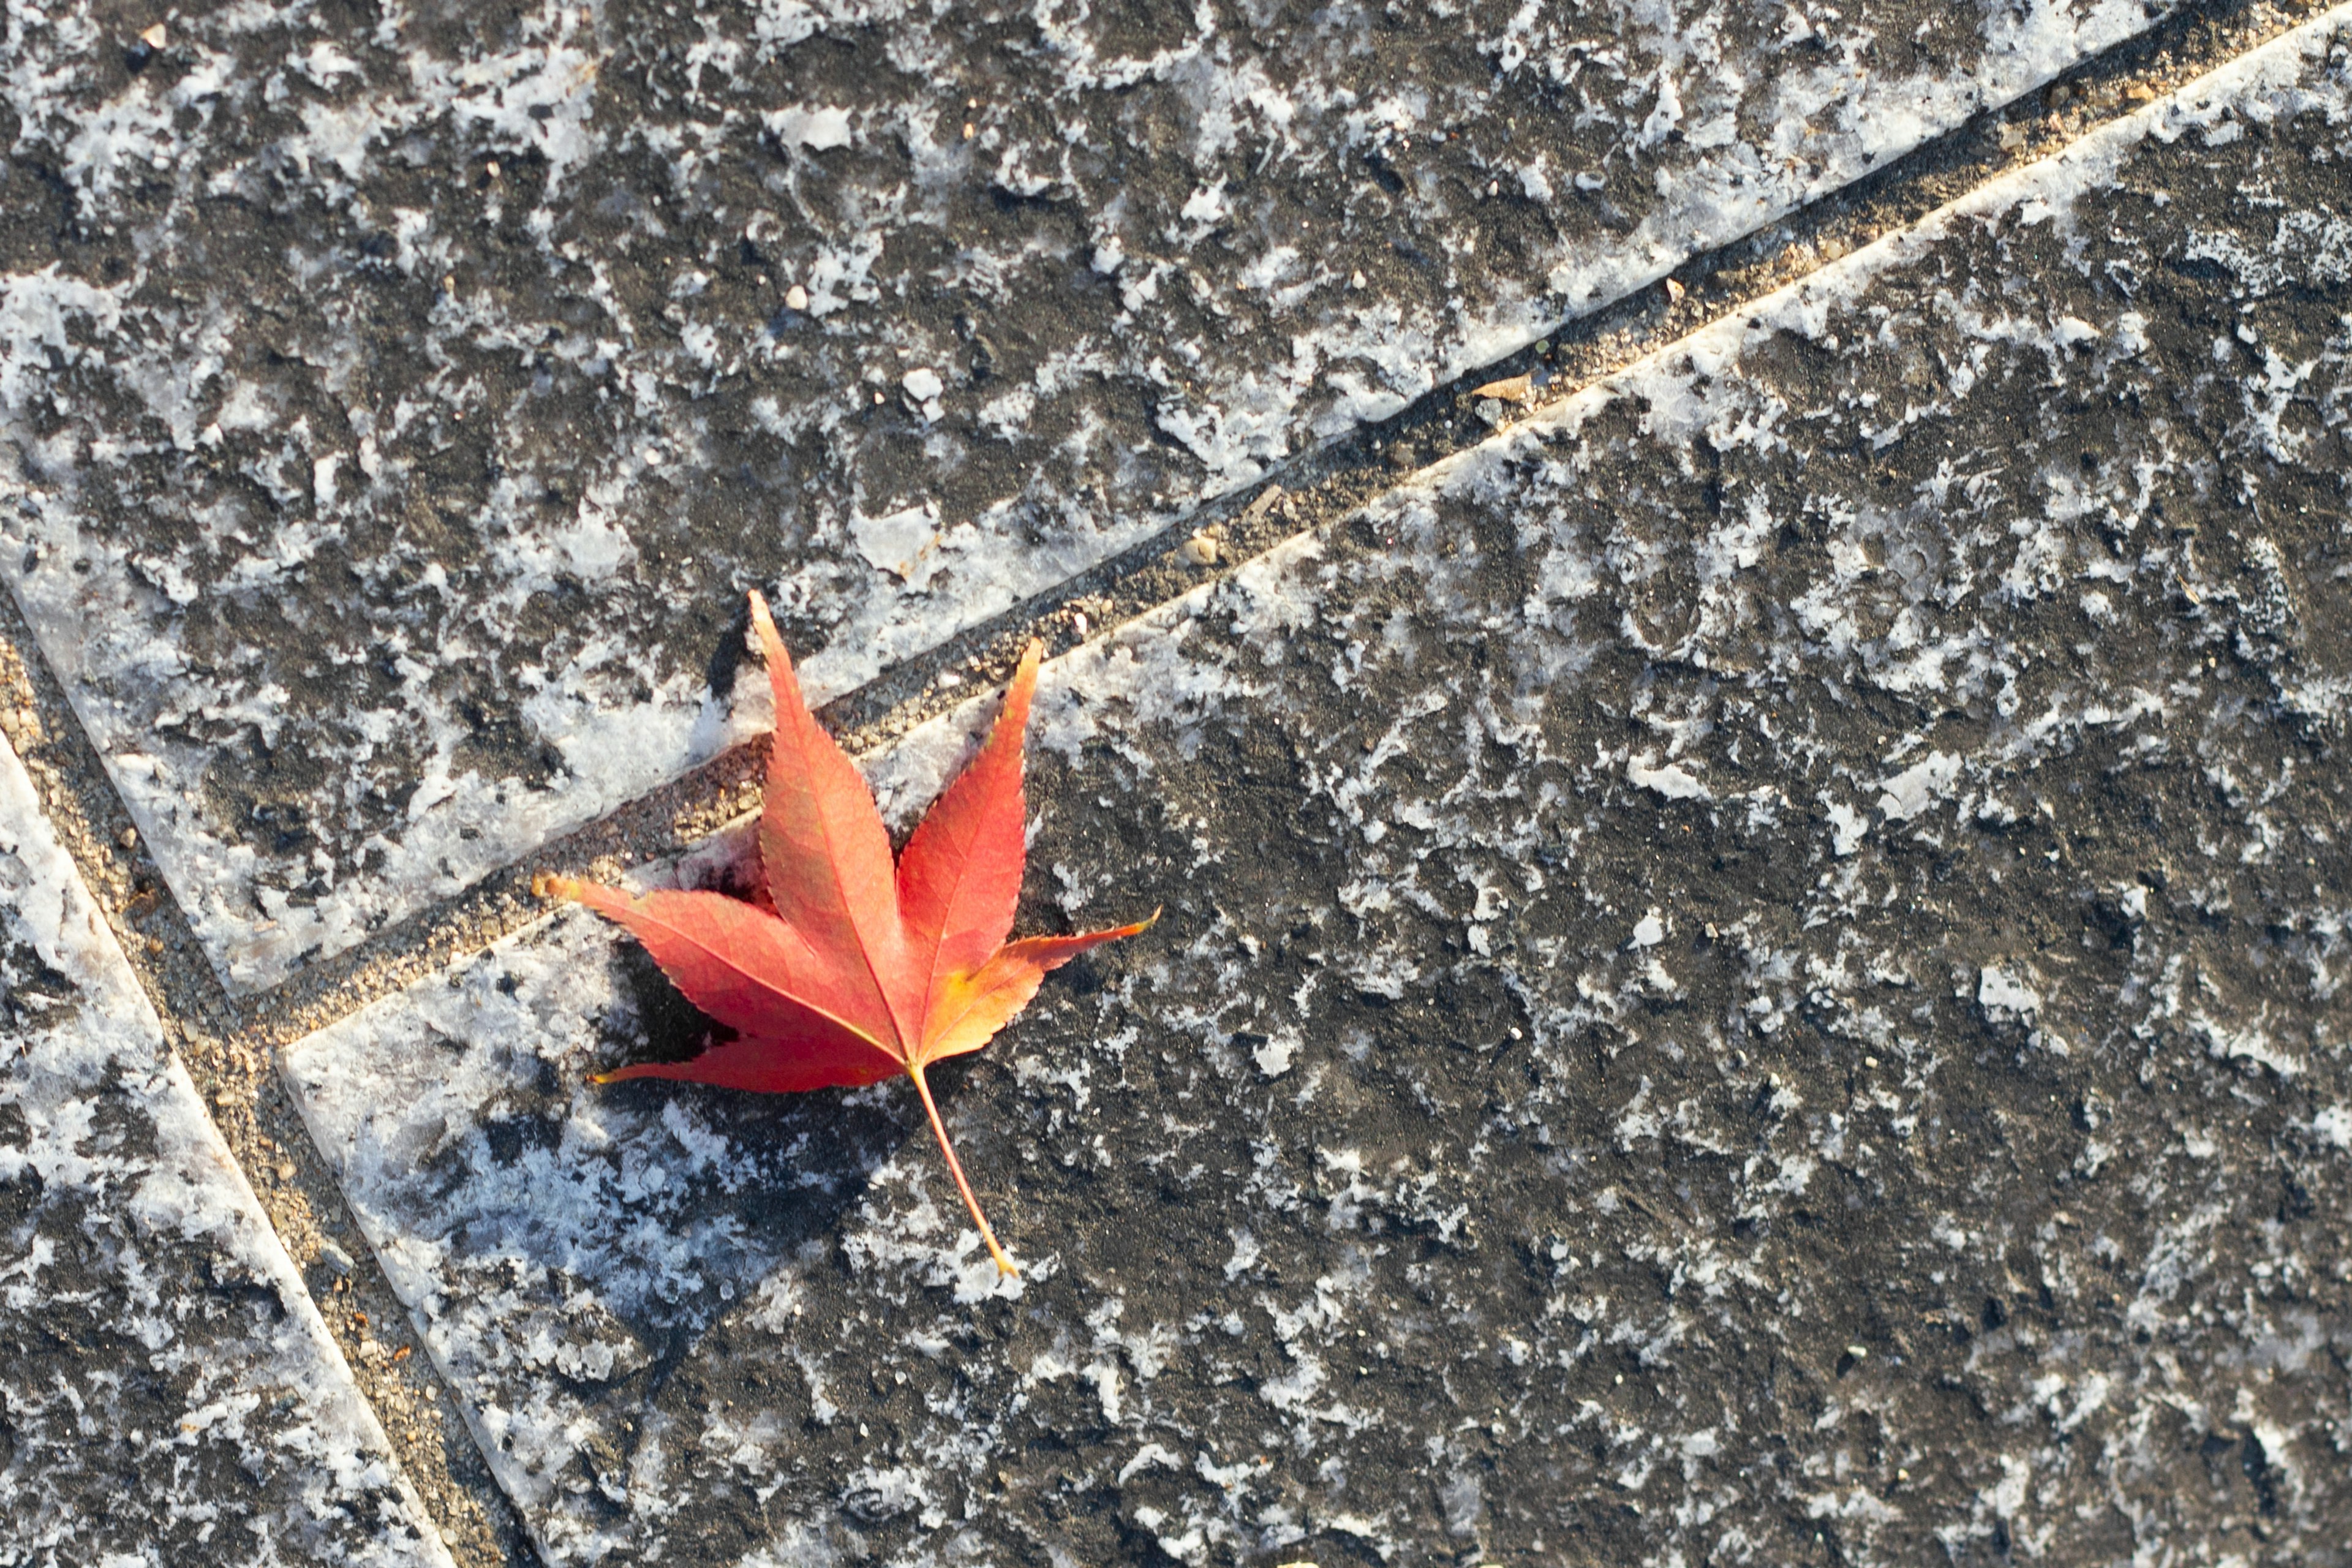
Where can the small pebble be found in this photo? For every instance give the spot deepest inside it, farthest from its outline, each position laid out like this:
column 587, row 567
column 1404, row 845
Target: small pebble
column 1200, row 550
column 795, row 298
column 335, row 1258
column 922, row 384
column 286, row 1171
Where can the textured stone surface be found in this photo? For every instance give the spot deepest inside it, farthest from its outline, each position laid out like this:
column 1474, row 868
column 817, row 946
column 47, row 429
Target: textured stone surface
column 168, row 1394
column 398, row 408
column 1752, row 972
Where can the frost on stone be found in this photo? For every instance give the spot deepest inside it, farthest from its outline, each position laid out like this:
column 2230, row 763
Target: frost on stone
column 1905, row 795
column 168, row 1392
column 1670, row 780
column 1720, row 1223
column 895, row 543
column 382, row 486
column 2006, row 998
column 1846, row 828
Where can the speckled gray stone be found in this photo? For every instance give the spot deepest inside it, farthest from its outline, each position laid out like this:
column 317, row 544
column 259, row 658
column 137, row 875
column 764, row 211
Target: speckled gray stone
column 1753, row 973
column 397, row 411
column 168, row 1394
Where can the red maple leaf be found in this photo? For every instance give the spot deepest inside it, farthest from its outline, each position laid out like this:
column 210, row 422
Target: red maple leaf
column 851, row 971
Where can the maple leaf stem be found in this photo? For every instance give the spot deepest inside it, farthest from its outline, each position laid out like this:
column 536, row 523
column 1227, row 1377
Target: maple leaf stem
column 955, row 1168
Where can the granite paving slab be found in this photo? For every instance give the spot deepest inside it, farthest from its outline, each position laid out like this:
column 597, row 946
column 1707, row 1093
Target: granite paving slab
column 396, row 407
column 168, row 1394
column 1753, row 973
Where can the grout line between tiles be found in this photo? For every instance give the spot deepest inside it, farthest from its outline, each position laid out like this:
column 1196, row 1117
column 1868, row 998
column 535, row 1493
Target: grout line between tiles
column 226, row 1051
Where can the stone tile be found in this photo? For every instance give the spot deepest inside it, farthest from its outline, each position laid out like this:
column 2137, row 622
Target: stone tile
column 397, row 412
column 1752, row 971
column 168, row 1394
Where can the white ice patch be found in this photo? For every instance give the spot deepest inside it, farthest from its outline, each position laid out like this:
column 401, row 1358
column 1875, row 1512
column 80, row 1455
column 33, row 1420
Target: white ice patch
column 1672, row 780
column 1273, row 1058
column 1846, row 828
column 1919, row 786
column 817, row 129
column 2247, row 1042
column 896, row 541
column 2005, row 998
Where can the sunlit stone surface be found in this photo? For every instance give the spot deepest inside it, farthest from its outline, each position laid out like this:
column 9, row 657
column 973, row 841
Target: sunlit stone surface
column 1752, row 972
